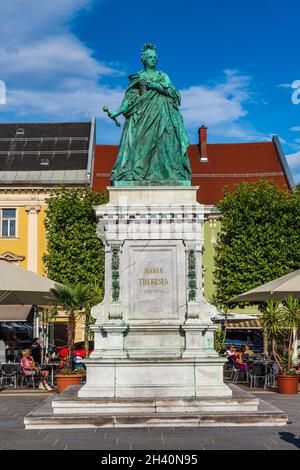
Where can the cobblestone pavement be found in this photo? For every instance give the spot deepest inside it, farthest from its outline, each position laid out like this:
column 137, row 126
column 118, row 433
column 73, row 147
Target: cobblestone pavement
column 14, row 436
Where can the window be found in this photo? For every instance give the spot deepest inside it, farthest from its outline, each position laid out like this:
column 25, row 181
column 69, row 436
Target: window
column 8, row 219
column 20, row 131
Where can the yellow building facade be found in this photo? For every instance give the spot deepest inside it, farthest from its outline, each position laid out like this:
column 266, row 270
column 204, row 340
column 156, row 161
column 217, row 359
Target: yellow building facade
column 35, row 159
column 26, row 244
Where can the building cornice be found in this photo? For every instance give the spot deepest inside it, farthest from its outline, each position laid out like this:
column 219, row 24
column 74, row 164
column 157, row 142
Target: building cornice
column 28, row 195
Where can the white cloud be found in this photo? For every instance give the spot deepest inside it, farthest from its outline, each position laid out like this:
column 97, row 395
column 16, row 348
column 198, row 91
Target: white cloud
column 63, row 54
column 295, row 128
column 49, row 72
column 2, row 92
column 27, row 21
column 294, row 163
column 218, row 103
column 72, row 104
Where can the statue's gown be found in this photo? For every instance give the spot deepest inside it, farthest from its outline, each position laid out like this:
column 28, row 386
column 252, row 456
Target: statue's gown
column 153, row 146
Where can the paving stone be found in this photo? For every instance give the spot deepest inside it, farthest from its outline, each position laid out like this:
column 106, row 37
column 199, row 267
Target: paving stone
column 14, row 436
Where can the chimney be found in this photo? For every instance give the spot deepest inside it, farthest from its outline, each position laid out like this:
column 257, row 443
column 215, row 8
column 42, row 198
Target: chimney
column 203, row 144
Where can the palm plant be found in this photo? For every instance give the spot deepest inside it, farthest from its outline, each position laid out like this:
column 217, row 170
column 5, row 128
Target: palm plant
column 96, row 295
column 279, row 321
column 291, row 312
column 272, row 321
column 73, row 300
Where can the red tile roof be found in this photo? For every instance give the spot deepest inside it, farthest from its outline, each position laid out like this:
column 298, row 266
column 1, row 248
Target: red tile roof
column 227, row 165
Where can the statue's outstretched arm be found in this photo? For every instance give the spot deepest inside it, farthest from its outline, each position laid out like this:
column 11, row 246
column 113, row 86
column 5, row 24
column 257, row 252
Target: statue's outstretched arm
column 122, row 109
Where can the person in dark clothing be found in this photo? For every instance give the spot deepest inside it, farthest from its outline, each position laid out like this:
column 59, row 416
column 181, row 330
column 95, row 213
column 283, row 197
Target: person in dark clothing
column 36, row 349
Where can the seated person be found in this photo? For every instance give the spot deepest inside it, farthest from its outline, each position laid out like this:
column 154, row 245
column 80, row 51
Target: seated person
column 248, row 351
column 231, row 354
column 29, row 368
column 231, row 351
column 241, row 361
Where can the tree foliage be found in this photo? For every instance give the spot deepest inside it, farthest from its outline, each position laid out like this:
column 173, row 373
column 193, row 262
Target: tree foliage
column 75, row 254
column 259, row 238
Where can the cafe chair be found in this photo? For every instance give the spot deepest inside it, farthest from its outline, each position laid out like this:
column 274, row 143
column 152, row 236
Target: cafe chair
column 270, row 376
column 29, row 380
column 8, row 374
column 257, row 373
column 239, row 372
column 228, row 370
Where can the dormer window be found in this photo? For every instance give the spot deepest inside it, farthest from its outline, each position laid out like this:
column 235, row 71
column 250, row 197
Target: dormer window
column 20, row 131
column 44, row 161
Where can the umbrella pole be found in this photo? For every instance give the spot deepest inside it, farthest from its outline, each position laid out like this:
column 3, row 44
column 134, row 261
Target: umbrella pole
column 36, row 332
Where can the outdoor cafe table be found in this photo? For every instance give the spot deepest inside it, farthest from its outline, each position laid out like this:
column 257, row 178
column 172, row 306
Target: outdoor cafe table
column 267, row 366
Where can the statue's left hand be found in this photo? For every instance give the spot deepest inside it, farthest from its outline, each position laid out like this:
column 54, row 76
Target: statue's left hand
column 154, row 86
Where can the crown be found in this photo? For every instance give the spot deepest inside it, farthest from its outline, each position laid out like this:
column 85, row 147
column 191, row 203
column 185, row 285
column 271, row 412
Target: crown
column 148, row 46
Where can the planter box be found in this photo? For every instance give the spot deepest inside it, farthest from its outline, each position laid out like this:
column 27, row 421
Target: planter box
column 288, row 384
column 63, row 381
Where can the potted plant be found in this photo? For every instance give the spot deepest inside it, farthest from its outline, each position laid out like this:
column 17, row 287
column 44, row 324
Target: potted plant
column 279, row 321
column 67, row 377
column 296, row 371
column 72, row 300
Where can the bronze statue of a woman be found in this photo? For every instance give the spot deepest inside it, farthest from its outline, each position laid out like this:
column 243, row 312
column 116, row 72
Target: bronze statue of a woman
column 153, row 146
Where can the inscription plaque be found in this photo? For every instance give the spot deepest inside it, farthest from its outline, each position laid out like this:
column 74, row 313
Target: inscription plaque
column 153, row 281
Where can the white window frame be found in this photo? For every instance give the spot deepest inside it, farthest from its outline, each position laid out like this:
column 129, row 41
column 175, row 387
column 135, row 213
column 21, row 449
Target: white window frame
column 5, row 237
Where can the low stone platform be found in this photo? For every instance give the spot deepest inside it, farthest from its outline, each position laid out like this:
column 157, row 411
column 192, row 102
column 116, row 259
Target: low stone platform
column 69, row 411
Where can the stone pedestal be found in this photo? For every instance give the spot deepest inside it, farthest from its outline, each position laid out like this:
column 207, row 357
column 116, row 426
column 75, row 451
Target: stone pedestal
column 153, row 330
column 154, row 362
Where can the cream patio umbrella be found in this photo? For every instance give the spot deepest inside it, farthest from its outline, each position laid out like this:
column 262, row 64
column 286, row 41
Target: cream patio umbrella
column 19, row 286
column 279, row 289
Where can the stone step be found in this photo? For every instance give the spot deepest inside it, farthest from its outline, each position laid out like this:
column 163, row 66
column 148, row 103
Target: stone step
column 43, row 416
column 70, row 403
column 258, row 418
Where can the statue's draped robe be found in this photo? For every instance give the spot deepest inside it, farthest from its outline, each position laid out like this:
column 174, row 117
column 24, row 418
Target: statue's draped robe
column 154, row 143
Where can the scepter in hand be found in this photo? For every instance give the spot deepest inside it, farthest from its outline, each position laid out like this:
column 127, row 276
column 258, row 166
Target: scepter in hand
column 106, row 110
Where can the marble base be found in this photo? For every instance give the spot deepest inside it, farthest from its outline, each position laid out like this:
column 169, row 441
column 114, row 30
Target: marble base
column 69, row 403
column 67, row 411
column 148, row 183
column 155, row 377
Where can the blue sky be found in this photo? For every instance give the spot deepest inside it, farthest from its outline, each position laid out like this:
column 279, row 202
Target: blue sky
column 234, row 62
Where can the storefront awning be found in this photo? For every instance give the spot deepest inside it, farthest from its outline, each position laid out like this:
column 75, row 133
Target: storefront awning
column 15, row 313
column 244, row 324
